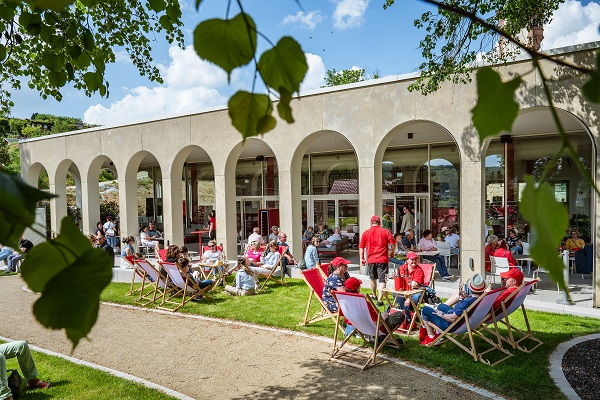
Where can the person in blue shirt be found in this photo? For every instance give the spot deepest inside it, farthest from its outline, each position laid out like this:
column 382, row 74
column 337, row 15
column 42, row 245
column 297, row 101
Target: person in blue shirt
column 245, row 280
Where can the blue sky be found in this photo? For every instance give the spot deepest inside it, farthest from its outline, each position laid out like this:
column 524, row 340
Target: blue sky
column 338, row 34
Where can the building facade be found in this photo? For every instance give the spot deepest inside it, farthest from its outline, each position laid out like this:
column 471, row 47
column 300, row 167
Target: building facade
column 354, row 151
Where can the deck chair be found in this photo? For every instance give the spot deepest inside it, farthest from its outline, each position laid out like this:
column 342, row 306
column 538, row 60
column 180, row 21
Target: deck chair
column 184, row 286
column 478, row 312
column 136, row 272
column 355, row 307
column 162, row 254
column 277, row 268
column 509, row 305
column 428, row 274
column 315, row 280
column 325, row 269
column 151, row 279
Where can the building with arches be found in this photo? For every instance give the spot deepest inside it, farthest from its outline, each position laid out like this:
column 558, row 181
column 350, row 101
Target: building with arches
column 356, row 150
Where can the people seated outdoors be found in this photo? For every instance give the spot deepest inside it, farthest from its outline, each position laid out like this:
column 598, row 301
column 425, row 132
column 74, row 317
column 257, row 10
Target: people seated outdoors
column 514, row 242
column 335, row 281
column 333, row 239
column 393, row 321
column 173, row 254
column 311, row 256
column 399, row 257
column 416, row 280
column 513, row 278
column 185, row 252
column 153, row 233
column 308, row 234
column 269, row 260
column 274, row 235
column 20, row 350
column 287, row 258
column 24, row 247
column 453, row 239
column 185, row 266
column 255, row 236
column 321, row 233
column 444, row 315
column 245, row 279
column 574, row 243
column 490, row 249
column 127, row 251
column 409, row 241
column 92, row 238
column 442, row 235
column 212, row 256
column 4, row 253
column 104, row 245
column 502, row 251
column 99, row 228
column 146, row 241
column 428, row 244
column 254, row 252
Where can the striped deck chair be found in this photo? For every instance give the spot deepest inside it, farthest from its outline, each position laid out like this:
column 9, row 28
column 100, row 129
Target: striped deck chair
column 162, row 254
column 276, row 269
column 466, row 324
column 136, row 272
column 509, row 305
column 184, row 286
column 315, row 280
column 152, row 280
column 355, row 307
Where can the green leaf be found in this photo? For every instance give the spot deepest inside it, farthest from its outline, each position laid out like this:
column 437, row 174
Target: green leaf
column 283, row 107
column 173, row 12
column 93, row 80
column 496, row 108
column 70, row 275
column 56, row 5
column 165, row 22
column 83, row 61
column 88, row 40
column 157, row 5
column 70, row 71
column 248, row 111
column 74, row 51
column 591, row 89
column 34, row 29
column 6, row 12
column 198, row 2
column 54, row 62
column 226, row 43
column 17, row 207
column 548, row 219
column 2, row 52
column 284, row 66
column 57, row 79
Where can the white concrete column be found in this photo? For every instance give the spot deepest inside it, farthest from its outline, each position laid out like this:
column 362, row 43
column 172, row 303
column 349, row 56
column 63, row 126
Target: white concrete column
column 369, row 195
column 172, row 210
column 58, row 205
column 290, row 209
column 128, row 210
column 90, row 206
column 225, row 211
column 472, row 219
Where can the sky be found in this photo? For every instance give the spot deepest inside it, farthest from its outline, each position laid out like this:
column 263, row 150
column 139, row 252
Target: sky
column 340, row 34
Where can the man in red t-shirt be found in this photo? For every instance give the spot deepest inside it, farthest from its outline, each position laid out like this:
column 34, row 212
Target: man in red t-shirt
column 376, row 241
column 514, row 279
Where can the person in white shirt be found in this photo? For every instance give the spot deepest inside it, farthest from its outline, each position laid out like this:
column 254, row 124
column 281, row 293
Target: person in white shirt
column 454, row 240
column 274, row 233
column 336, row 237
column 255, row 236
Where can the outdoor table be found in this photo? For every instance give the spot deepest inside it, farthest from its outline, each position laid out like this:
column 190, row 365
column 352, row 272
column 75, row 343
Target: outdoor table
column 428, row 253
column 200, row 233
column 406, row 294
column 207, row 268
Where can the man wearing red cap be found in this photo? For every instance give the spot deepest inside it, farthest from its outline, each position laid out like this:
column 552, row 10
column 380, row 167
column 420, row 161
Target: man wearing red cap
column 514, row 279
column 376, row 241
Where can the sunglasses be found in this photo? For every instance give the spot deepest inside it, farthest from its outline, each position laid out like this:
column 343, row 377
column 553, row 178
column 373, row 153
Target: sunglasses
column 211, row 247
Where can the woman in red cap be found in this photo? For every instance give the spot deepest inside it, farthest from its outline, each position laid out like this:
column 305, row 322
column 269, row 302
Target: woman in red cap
column 335, row 281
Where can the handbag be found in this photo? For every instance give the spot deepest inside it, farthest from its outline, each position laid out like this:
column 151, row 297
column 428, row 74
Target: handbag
column 14, row 383
column 302, row 264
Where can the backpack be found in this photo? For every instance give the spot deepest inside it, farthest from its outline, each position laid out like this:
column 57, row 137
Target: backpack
column 14, row 383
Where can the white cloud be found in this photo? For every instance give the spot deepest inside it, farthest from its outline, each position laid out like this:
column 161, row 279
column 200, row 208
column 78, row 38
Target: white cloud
column 122, row 56
column 190, row 85
column 572, row 24
column 307, row 21
column 315, row 76
column 349, row 13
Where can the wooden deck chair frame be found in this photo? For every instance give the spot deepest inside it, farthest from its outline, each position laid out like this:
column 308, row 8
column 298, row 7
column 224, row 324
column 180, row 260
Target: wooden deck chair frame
column 315, row 280
column 137, row 271
column 354, row 307
column 468, row 322
column 184, row 286
column 509, row 305
column 277, row 268
column 151, row 278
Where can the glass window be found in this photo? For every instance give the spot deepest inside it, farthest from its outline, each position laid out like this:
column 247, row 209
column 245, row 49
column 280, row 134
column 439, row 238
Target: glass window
column 334, row 173
column 251, row 175
column 402, row 170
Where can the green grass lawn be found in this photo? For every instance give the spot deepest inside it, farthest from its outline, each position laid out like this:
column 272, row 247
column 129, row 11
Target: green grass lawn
column 524, row 376
column 73, row 381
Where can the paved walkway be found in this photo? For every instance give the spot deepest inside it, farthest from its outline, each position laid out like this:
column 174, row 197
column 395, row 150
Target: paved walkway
column 207, row 359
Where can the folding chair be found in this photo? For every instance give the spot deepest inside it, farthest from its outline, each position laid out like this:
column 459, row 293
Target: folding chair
column 499, row 265
column 276, row 268
column 428, row 274
column 137, row 272
column 468, row 322
column 156, row 282
column 355, row 307
column 162, row 254
column 509, row 305
column 315, row 280
column 183, row 285
column 325, row 269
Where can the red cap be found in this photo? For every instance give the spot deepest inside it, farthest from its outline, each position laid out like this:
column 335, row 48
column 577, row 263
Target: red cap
column 352, row 284
column 514, row 273
column 411, row 254
column 339, row 261
column 375, row 218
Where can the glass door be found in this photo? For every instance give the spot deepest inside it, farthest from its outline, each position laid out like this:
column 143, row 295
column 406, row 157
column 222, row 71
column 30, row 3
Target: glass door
column 247, row 214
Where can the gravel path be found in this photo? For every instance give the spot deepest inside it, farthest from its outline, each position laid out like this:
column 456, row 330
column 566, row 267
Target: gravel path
column 207, row 360
column 582, row 369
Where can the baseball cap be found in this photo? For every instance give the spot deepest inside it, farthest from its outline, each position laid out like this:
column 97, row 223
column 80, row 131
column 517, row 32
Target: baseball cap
column 477, row 284
column 339, row 261
column 375, row 218
column 514, row 273
column 352, row 284
column 411, row 254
